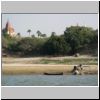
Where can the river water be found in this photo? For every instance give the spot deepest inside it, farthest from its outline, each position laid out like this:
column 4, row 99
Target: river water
column 47, row 80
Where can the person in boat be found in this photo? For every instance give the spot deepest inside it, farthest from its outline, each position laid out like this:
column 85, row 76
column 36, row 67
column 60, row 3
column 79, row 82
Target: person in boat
column 75, row 70
column 80, row 66
column 78, row 70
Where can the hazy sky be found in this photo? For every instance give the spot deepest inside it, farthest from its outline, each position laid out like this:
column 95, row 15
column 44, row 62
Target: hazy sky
column 48, row 23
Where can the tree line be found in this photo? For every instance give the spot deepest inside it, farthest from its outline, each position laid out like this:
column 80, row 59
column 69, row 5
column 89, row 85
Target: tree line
column 75, row 39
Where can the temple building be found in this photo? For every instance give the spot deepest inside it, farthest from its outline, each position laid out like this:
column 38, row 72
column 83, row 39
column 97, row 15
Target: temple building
column 9, row 29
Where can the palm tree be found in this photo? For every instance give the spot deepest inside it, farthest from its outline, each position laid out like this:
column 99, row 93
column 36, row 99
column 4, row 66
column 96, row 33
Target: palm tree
column 18, row 34
column 29, row 31
column 38, row 33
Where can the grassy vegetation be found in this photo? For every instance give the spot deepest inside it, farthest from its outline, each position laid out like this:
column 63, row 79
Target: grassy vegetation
column 86, row 61
column 53, row 60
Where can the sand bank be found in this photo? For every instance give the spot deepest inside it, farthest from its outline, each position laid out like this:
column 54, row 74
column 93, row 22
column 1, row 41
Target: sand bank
column 42, row 68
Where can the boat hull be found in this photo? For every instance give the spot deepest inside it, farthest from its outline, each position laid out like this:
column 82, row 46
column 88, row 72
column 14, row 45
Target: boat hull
column 53, row 73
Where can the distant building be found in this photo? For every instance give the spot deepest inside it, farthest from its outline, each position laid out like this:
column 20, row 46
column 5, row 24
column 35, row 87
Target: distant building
column 9, row 29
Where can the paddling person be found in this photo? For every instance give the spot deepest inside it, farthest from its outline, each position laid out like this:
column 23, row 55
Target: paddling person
column 78, row 70
column 80, row 66
column 75, row 71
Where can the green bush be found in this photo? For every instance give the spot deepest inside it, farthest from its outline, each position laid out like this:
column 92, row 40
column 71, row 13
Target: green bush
column 56, row 45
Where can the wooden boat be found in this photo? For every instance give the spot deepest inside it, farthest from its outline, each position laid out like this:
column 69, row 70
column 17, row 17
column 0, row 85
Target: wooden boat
column 57, row 73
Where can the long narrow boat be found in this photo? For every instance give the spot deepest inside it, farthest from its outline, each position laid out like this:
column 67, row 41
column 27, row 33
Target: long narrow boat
column 57, row 73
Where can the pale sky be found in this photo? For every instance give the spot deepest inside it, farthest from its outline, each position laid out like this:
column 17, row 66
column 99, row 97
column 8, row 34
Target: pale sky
column 48, row 23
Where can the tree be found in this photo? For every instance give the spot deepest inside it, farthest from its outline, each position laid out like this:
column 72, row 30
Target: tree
column 29, row 31
column 4, row 43
column 56, row 46
column 95, row 37
column 4, row 30
column 18, row 34
column 71, row 37
column 53, row 34
column 30, row 46
column 5, row 34
column 38, row 33
column 43, row 35
column 78, row 37
column 33, row 36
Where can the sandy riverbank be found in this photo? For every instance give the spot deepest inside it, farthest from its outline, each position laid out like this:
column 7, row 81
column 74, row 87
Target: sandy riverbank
column 42, row 68
column 40, row 65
